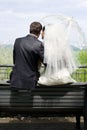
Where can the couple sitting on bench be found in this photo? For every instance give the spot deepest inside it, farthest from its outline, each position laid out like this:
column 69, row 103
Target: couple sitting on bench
column 56, row 52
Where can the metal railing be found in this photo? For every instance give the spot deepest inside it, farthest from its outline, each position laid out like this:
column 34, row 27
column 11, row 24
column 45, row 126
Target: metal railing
column 5, row 71
column 79, row 75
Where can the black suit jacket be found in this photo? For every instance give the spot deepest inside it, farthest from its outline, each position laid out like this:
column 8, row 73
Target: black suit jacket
column 27, row 52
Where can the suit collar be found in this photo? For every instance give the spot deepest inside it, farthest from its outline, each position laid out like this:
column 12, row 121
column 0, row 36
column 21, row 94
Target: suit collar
column 33, row 35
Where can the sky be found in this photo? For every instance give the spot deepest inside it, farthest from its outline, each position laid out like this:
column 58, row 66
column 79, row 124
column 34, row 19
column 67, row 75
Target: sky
column 16, row 15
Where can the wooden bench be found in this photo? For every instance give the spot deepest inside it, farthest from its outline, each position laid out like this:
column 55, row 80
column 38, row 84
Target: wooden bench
column 53, row 101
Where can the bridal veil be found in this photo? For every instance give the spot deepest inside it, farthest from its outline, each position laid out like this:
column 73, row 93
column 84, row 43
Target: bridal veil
column 61, row 39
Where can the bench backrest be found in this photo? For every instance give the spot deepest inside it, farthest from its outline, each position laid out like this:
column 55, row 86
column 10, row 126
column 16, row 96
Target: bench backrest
column 67, row 98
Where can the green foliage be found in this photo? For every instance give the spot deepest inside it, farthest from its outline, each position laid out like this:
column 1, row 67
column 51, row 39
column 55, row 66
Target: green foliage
column 6, row 52
column 80, row 75
column 83, row 57
column 6, row 57
column 5, row 72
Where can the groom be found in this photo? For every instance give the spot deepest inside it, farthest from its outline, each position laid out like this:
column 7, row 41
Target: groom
column 27, row 52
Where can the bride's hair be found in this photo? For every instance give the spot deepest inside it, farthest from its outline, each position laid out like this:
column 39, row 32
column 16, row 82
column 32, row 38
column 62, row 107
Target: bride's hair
column 43, row 29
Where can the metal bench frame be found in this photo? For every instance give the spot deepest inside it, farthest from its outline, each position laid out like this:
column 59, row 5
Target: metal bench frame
column 53, row 101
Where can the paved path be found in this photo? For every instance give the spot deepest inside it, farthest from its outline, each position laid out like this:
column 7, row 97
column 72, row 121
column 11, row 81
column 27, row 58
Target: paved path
column 38, row 124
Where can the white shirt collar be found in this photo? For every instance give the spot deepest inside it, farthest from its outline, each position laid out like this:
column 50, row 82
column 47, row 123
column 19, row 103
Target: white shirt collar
column 33, row 35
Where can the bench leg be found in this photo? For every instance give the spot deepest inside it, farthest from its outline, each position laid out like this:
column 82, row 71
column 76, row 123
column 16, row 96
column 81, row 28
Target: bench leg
column 78, row 122
column 85, row 122
column 85, row 111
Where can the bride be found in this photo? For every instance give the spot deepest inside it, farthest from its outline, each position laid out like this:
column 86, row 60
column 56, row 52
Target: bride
column 59, row 57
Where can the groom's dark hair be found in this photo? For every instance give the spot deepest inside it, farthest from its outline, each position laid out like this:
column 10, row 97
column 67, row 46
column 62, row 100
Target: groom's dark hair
column 35, row 28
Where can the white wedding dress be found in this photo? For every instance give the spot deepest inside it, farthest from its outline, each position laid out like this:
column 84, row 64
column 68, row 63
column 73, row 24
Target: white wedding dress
column 58, row 53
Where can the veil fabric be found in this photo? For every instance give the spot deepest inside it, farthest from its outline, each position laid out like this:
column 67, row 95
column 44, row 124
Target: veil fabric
column 58, row 54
